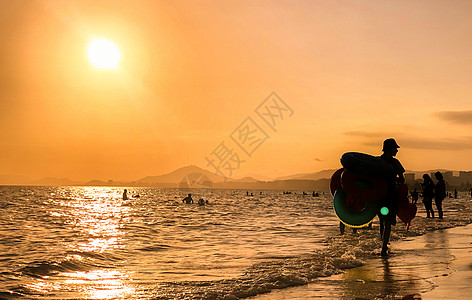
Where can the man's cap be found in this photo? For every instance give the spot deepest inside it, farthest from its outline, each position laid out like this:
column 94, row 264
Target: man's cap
column 390, row 144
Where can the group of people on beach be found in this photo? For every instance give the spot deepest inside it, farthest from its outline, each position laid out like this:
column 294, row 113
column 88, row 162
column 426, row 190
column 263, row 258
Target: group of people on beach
column 436, row 191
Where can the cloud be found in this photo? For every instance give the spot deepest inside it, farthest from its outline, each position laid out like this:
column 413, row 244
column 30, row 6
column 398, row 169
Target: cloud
column 458, row 117
column 441, row 144
column 317, row 159
column 373, row 138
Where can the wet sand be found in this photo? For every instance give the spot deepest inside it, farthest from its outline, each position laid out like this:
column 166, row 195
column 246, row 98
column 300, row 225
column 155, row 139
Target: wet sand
column 437, row 265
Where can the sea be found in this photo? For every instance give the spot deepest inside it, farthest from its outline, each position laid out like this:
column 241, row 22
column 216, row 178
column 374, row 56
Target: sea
column 88, row 243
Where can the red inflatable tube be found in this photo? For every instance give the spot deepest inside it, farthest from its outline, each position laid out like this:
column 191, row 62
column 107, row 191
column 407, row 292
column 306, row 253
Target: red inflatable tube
column 406, row 210
column 335, row 181
column 366, row 189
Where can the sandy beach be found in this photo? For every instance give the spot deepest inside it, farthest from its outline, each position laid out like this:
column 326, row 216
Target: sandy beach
column 436, row 265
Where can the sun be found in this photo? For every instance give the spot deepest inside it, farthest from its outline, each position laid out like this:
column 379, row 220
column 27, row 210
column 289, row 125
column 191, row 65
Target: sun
column 103, row 53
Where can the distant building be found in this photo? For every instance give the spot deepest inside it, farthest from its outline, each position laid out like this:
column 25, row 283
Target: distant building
column 448, row 175
column 466, row 177
column 409, row 178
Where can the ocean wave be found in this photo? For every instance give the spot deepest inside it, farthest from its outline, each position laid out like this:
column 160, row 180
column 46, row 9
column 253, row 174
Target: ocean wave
column 74, row 261
column 153, row 248
column 340, row 253
column 48, row 268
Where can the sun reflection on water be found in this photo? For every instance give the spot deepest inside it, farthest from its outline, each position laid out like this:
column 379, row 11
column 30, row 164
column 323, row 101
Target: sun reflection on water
column 94, row 218
column 100, row 284
column 99, row 214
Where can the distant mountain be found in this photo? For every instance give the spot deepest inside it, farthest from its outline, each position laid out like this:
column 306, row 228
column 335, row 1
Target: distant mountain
column 309, row 176
column 196, row 177
column 96, row 183
column 259, row 177
column 184, row 174
column 245, row 179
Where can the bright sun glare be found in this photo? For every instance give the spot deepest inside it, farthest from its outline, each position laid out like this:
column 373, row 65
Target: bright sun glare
column 103, row 53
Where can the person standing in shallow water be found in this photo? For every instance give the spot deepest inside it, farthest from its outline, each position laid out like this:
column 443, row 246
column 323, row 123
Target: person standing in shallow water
column 428, row 193
column 390, row 150
column 440, row 193
column 414, row 196
column 125, row 194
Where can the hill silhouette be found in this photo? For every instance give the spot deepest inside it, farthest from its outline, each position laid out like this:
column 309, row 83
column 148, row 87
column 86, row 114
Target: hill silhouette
column 195, row 177
column 324, row 174
column 180, row 174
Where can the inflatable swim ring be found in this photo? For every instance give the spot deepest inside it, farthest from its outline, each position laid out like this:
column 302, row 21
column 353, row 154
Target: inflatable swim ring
column 406, row 209
column 366, row 189
column 351, row 215
column 366, row 165
column 335, row 181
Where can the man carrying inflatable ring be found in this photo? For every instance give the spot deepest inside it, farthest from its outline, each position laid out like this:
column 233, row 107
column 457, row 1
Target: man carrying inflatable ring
column 390, row 150
column 367, row 186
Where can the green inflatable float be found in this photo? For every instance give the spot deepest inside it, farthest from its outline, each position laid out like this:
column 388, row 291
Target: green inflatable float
column 352, row 212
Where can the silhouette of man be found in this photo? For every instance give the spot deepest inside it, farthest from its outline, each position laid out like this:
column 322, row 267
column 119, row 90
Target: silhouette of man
column 440, row 193
column 125, row 194
column 428, row 194
column 390, row 150
column 414, row 196
column 188, row 199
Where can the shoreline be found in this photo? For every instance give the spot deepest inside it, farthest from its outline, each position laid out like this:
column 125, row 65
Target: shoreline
column 406, row 249
column 422, row 267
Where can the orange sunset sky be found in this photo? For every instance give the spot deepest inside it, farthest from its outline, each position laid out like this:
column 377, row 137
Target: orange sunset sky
column 352, row 72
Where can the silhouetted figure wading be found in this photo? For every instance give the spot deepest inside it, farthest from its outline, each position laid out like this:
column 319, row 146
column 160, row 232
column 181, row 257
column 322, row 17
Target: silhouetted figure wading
column 390, row 149
column 428, row 194
column 440, row 193
column 414, row 196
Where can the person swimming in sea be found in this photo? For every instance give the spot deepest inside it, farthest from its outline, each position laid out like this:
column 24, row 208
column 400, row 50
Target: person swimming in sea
column 188, row 199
